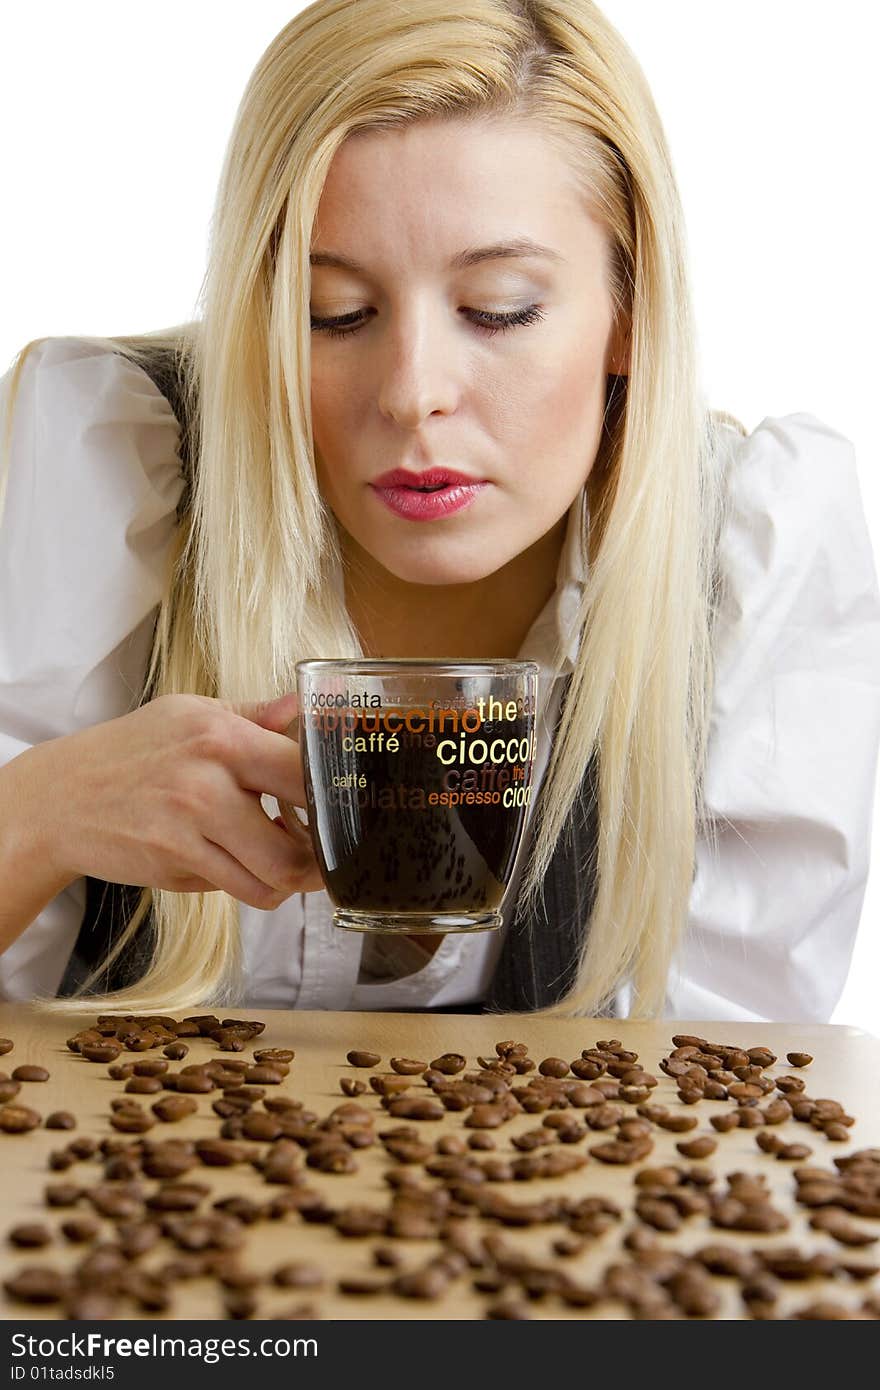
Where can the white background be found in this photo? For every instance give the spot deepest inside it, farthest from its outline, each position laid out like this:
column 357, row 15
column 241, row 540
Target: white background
column 115, row 117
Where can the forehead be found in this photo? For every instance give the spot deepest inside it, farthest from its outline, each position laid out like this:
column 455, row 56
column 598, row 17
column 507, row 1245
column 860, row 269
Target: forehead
column 430, row 188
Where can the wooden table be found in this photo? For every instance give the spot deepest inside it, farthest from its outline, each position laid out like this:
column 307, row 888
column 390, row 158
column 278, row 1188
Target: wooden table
column 846, row 1067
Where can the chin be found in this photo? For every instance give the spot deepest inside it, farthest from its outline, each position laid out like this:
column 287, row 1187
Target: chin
column 439, row 566
column 438, row 575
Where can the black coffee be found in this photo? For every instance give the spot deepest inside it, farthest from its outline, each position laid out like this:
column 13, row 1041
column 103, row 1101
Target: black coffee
column 416, row 821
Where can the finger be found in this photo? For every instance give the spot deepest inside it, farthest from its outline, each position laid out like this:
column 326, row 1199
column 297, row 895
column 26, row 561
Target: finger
column 275, row 715
column 265, row 850
column 229, row 875
column 264, row 761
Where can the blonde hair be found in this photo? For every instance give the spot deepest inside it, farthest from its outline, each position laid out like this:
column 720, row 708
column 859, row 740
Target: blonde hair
column 249, row 589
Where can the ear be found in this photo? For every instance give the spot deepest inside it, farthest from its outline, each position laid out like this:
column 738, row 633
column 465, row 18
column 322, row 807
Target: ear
column 618, row 348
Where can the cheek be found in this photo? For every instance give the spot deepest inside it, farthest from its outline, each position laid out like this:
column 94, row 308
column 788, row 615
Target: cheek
column 551, row 409
column 334, row 403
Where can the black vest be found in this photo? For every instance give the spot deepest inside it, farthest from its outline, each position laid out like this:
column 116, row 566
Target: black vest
column 540, row 953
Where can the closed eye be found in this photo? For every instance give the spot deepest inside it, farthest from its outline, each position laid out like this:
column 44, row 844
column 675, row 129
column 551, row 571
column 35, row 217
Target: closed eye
column 344, row 325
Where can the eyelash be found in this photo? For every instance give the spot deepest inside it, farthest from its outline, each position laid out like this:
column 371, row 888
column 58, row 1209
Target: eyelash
column 484, row 319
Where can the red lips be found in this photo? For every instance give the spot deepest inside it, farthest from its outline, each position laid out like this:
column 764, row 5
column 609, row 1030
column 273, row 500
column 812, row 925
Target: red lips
column 431, row 477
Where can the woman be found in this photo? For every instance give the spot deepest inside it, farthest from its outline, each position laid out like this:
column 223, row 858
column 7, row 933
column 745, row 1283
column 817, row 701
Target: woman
column 481, row 209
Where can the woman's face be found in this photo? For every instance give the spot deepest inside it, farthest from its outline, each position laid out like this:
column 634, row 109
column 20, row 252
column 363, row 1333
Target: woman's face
column 461, row 319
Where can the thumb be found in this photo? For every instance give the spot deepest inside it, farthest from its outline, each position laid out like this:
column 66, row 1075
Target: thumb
column 275, row 715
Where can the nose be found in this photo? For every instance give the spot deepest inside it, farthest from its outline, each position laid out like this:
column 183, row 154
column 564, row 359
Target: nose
column 418, row 369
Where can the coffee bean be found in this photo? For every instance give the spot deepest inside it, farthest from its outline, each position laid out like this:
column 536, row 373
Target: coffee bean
column 35, row 1284
column 427, row 1283
column 416, row 1108
column 676, row 1122
column 244, row 1208
column 79, row 1230
column 634, row 1129
column 177, row 1197
column 837, row 1133
column 486, row 1116
column 552, row 1164
column 298, row 1274
column 229, row 1040
column 30, row 1235
column 798, row 1059
column 621, row 1151
column 243, row 1097
column 789, row 1085
column 697, row 1148
column 137, row 1041
column 121, row 1071
column 359, row 1221
column 692, row 1290
column 176, row 1051
column 408, row 1150
column 750, row 1117
column 115, row 1201
column 280, row 1167
column 9, row 1090
column 100, row 1051
column 363, row 1059
column 62, row 1194
column 18, row 1119
column 386, row 1256
column 261, row 1126
column 668, row 1176
column 131, row 1121
column 553, row 1066
column 407, row 1066
column 197, row 1083
column 262, row 1074
column 225, row 1108
column 452, row 1144
column 61, row 1119
column 351, row 1086
column 735, row 1215
column 170, row 1109
column 761, row 1056
column 143, row 1085
column 587, row 1069
column 793, row 1152
column 770, row 1143
column 29, row 1073
column 137, row 1237
column 153, row 1066
column 221, row 1153
column 332, row 1156
column 6, row 1045
column 657, row 1212
column 275, row 1054
column 389, row 1085
column 450, row 1063
column 837, row 1224
column 240, row 1304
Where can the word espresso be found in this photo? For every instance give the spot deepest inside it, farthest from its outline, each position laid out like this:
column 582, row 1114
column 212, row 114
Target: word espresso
column 465, row 773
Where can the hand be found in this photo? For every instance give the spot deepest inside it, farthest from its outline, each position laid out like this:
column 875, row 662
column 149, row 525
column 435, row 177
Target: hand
column 169, row 797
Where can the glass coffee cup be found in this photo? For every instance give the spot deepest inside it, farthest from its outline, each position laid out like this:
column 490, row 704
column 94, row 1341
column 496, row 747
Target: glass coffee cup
column 418, row 780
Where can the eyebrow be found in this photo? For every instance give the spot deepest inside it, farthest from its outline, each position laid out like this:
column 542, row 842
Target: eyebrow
column 519, row 247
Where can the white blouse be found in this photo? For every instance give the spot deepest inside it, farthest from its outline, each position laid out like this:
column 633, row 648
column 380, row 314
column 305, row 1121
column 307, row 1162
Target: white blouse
column 93, row 485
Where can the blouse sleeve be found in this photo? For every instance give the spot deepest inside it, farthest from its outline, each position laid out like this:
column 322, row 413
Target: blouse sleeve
column 92, row 489
column 782, row 860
